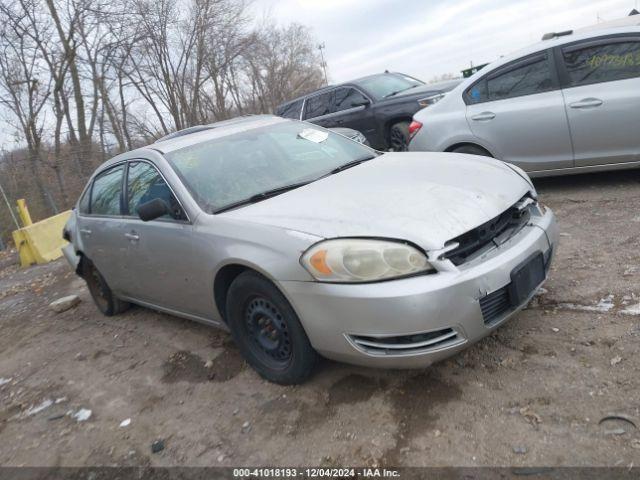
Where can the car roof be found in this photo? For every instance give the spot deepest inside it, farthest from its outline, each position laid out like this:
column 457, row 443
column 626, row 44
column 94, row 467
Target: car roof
column 546, row 44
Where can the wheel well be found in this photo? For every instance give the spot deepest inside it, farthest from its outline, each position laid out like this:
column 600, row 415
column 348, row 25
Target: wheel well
column 391, row 123
column 225, row 276
column 469, row 144
column 80, row 267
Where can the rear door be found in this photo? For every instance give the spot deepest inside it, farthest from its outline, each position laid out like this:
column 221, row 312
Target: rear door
column 602, row 96
column 161, row 265
column 102, row 226
column 517, row 111
column 352, row 109
column 318, row 109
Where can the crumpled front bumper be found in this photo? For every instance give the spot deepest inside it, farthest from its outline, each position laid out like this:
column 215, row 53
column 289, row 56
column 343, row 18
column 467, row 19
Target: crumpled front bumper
column 333, row 315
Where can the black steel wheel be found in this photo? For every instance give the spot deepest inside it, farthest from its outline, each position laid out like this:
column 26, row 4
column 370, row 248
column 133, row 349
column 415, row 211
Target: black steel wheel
column 103, row 297
column 267, row 330
column 399, row 137
column 265, row 327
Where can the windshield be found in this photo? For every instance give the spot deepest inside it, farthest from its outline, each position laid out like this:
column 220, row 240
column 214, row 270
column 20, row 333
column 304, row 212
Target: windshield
column 228, row 170
column 381, row 86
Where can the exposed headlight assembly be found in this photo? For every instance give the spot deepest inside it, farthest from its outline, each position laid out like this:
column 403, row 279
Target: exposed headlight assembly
column 354, row 260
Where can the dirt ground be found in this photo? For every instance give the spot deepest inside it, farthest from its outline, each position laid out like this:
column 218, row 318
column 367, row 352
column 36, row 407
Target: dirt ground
column 531, row 394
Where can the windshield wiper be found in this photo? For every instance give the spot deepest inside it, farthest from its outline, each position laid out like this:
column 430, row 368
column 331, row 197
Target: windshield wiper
column 261, row 196
column 400, row 91
column 352, row 163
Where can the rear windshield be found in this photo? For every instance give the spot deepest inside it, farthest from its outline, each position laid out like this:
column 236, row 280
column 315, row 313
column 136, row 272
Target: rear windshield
column 230, row 169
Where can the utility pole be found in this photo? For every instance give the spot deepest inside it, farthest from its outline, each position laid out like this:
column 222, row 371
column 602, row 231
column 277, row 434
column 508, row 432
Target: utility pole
column 6, row 200
column 322, row 62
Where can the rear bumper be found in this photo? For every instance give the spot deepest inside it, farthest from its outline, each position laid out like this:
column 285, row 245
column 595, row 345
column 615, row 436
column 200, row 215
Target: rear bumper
column 70, row 254
column 335, row 316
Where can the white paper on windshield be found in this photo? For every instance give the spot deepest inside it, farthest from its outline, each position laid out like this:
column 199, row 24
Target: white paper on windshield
column 313, row 135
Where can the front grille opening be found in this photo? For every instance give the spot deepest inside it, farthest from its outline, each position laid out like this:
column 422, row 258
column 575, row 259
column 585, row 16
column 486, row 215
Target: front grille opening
column 495, row 305
column 496, row 231
column 421, row 342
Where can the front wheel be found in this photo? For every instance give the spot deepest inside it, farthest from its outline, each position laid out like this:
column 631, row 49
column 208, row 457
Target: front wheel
column 399, row 137
column 267, row 330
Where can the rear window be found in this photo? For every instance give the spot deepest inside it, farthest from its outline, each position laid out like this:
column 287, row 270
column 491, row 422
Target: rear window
column 106, row 191
column 606, row 62
column 291, row 110
column 318, row 105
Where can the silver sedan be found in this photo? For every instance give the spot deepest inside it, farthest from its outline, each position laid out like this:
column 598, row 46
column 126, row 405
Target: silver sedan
column 304, row 243
column 569, row 104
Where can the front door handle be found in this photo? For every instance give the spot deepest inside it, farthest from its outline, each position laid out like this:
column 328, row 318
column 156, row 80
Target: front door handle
column 85, row 231
column 134, row 237
column 484, row 116
column 586, row 103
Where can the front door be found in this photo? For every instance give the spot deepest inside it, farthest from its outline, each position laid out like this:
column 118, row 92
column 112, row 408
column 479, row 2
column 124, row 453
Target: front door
column 161, row 261
column 353, row 110
column 517, row 111
column 602, row 99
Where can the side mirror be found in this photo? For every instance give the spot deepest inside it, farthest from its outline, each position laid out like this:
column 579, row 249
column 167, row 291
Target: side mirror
column 153, row 209
column 361, row 103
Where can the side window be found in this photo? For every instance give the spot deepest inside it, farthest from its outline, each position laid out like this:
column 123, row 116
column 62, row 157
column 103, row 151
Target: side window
column 477, row 93
column 318, row 105
column 528, row 78
column 105, row 194
column 534, row 77
column 292, row 110
column 144, row 184
column 346, row 98
column 602, row 63
column 83, row 205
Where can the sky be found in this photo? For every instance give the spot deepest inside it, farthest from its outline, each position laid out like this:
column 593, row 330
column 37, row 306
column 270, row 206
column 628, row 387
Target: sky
column 429, row 38
column 425, row 38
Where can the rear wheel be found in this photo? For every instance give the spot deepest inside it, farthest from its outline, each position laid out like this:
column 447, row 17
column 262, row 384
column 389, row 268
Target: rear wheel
column 103, row 297
column 471, row 150
column 267, row 330
column 399, row 137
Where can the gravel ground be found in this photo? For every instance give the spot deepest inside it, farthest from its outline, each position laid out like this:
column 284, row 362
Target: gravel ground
column 532, row 394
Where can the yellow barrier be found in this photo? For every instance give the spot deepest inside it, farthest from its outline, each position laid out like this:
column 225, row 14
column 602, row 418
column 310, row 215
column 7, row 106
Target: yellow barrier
column 41, row 242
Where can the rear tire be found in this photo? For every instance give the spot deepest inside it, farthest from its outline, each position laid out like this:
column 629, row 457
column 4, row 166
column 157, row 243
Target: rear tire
column 399, row 137
column 267, row 330
column 472, row 150
column 108, row 304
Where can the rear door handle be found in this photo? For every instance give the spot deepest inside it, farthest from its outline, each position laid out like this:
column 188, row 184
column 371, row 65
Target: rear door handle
column 85, row 231
column 586, row 103
column 484, row 116
column 134, row 237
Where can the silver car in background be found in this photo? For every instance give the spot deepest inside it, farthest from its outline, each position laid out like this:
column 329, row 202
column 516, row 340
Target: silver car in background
column 303, row 243
column 569, row 104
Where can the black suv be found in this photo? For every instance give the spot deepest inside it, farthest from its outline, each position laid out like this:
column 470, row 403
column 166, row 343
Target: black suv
column 380, row 106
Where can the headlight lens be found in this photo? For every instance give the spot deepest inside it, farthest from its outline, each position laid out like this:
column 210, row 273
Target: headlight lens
column 352, row 260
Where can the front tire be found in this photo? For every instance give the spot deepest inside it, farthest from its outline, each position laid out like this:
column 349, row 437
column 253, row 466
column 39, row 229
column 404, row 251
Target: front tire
column 267, row 330
column 399, row 137
column 108, row 304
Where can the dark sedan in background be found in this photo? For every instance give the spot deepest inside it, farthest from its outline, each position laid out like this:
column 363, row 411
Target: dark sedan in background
column 380, row 106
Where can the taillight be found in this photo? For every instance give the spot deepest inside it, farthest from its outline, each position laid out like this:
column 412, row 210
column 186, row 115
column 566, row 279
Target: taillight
column 414, row 127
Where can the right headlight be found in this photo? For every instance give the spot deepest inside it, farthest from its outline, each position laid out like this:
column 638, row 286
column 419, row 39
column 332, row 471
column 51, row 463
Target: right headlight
column 354, row 260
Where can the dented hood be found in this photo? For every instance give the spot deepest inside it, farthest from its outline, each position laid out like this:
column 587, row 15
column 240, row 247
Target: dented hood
column 425, row 198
